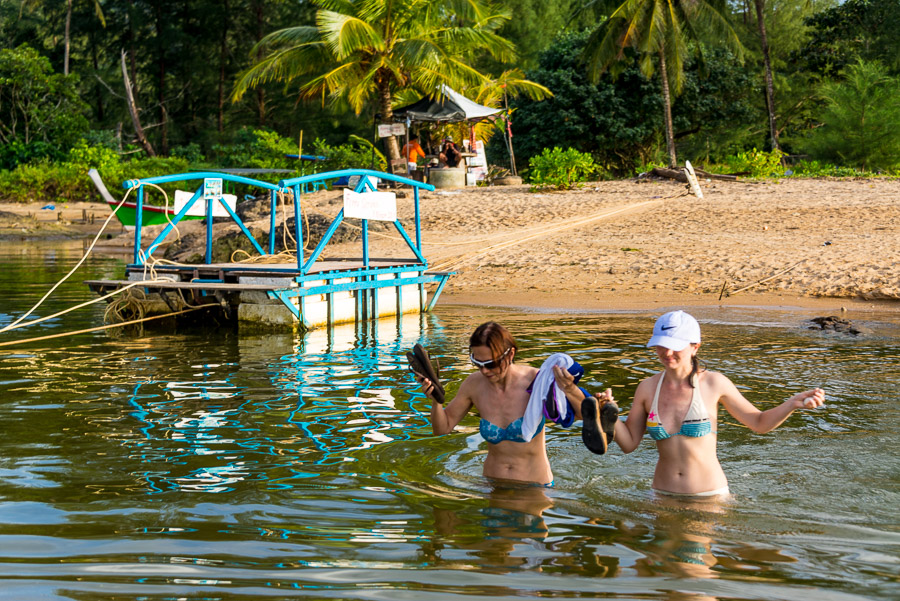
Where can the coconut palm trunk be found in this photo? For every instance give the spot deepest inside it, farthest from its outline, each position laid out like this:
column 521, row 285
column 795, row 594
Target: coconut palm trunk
column 770, row 86
column 667, row 109
column 385, row 108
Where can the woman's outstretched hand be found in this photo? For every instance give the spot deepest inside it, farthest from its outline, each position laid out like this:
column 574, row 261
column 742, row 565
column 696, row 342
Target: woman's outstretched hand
column 809, row 399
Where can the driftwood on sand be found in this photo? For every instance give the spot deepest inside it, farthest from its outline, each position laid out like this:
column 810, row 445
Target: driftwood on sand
column 679, row 175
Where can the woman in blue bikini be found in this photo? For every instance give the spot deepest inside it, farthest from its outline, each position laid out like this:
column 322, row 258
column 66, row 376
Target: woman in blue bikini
column 678, row 408
column 499, row 391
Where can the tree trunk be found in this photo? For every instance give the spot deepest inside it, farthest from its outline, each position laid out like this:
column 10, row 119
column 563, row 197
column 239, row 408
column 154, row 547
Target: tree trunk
column 131, row 52
column 66, row 40
column 133, row 111
column 98, row 88
column 163, row 114
column 260, row 93
column 770, row 86
column 387, row 116
column 667, row 109
column 223, row 51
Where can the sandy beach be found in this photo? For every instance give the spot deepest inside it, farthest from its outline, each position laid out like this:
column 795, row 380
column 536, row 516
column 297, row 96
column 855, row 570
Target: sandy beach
column 645, row 244
column 631, row 244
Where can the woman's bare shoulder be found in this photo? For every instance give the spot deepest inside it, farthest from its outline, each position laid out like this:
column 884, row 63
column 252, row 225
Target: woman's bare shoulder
column 714, row 378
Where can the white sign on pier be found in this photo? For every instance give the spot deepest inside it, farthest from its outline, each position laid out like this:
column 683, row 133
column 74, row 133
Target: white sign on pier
column 377, row 206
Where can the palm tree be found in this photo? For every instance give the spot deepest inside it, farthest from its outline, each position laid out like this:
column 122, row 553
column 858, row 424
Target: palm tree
column 660, row 31
column 366, row 51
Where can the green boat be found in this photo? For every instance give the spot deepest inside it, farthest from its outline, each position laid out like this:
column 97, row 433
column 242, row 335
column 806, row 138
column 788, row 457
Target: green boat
column 150, row 214
column 127, row 213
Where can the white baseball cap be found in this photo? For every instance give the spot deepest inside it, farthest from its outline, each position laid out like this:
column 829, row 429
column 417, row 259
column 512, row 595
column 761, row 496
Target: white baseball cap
column 675, row 330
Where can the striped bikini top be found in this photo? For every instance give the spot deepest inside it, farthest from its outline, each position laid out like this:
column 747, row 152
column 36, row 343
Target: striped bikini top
column 696, row 422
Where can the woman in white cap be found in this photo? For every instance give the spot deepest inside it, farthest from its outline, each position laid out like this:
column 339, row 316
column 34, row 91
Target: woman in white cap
column 678, row 407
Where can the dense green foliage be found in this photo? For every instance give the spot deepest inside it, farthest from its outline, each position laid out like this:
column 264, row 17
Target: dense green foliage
column 559, row 169
column 756, row 163
column 185, row 58
column 660, row 35
column 41, row 114
column 617, row 121
column 854, row 29
column 861, row 121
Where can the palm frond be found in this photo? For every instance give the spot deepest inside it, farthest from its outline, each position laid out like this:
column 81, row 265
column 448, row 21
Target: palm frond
column 284, row 65
column 290, row 36
column 346, row 34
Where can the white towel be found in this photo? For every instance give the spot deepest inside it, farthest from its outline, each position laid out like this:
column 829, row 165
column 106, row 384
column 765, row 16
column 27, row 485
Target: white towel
column 534, row 412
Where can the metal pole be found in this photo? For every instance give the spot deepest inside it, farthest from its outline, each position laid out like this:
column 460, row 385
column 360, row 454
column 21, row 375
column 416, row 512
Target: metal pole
column 209, row 229
column 138, row 223
column 406, row 155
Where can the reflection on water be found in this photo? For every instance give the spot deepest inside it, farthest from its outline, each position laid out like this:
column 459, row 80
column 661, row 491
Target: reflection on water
column 235, row 465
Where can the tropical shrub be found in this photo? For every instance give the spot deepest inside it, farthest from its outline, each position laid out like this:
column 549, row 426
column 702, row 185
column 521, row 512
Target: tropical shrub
column 560, row 169
column 620, row 123
column 257, row 149
column 41, row 112
column 861, row 120
column 44, row 181
column 756, row 163
column 356, row 154
column 820, row 169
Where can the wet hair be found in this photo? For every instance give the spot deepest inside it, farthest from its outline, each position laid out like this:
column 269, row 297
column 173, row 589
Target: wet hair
column 495, row 337
column 695, row 369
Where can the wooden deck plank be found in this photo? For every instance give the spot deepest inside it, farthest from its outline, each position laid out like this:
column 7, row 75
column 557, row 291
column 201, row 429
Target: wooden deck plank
column 185, row 285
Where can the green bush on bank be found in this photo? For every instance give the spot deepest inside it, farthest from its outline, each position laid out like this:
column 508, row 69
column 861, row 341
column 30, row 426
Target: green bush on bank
column 756, row 163
column 45, row 181
column 560, row 169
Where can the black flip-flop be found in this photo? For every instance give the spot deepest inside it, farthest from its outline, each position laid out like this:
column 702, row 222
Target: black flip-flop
column 421, row 364
column 598, row 430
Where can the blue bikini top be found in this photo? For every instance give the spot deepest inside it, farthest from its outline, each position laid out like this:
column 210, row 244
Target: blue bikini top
column 494, row 434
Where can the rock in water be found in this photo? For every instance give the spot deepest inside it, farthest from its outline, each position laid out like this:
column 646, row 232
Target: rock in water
column 836, row 324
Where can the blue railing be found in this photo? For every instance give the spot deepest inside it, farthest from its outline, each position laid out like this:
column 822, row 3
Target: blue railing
column 366, row 179
column 201, row 175
column 364, row 183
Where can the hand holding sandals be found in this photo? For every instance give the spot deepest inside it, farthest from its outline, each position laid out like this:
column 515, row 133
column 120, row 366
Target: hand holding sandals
column 599, row 414
column 426, row 373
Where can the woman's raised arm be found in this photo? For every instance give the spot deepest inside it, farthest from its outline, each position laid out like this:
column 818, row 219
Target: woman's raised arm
column 764, row 421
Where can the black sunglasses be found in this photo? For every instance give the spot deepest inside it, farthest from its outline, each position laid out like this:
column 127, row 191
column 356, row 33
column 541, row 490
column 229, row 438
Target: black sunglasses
column 492, row 363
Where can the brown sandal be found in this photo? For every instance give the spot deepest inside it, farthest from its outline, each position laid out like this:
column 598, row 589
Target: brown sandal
column 598, row 431
column 420, row 363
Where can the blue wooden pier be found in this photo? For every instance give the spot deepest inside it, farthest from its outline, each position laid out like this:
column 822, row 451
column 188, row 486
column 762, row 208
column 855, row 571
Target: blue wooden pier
column 307, row 293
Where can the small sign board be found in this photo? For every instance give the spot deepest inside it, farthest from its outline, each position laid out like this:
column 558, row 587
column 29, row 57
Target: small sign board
column 377, row 206
column 212, row 188
column 391, row 129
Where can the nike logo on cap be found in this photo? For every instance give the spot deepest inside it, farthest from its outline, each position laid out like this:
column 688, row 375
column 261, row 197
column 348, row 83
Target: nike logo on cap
column 667, row 328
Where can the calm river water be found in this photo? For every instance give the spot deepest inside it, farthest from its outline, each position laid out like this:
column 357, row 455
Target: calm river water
column 223, row 465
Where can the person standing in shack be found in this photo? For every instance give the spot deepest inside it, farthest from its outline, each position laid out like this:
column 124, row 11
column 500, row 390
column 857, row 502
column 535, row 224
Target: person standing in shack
column 450, row 154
